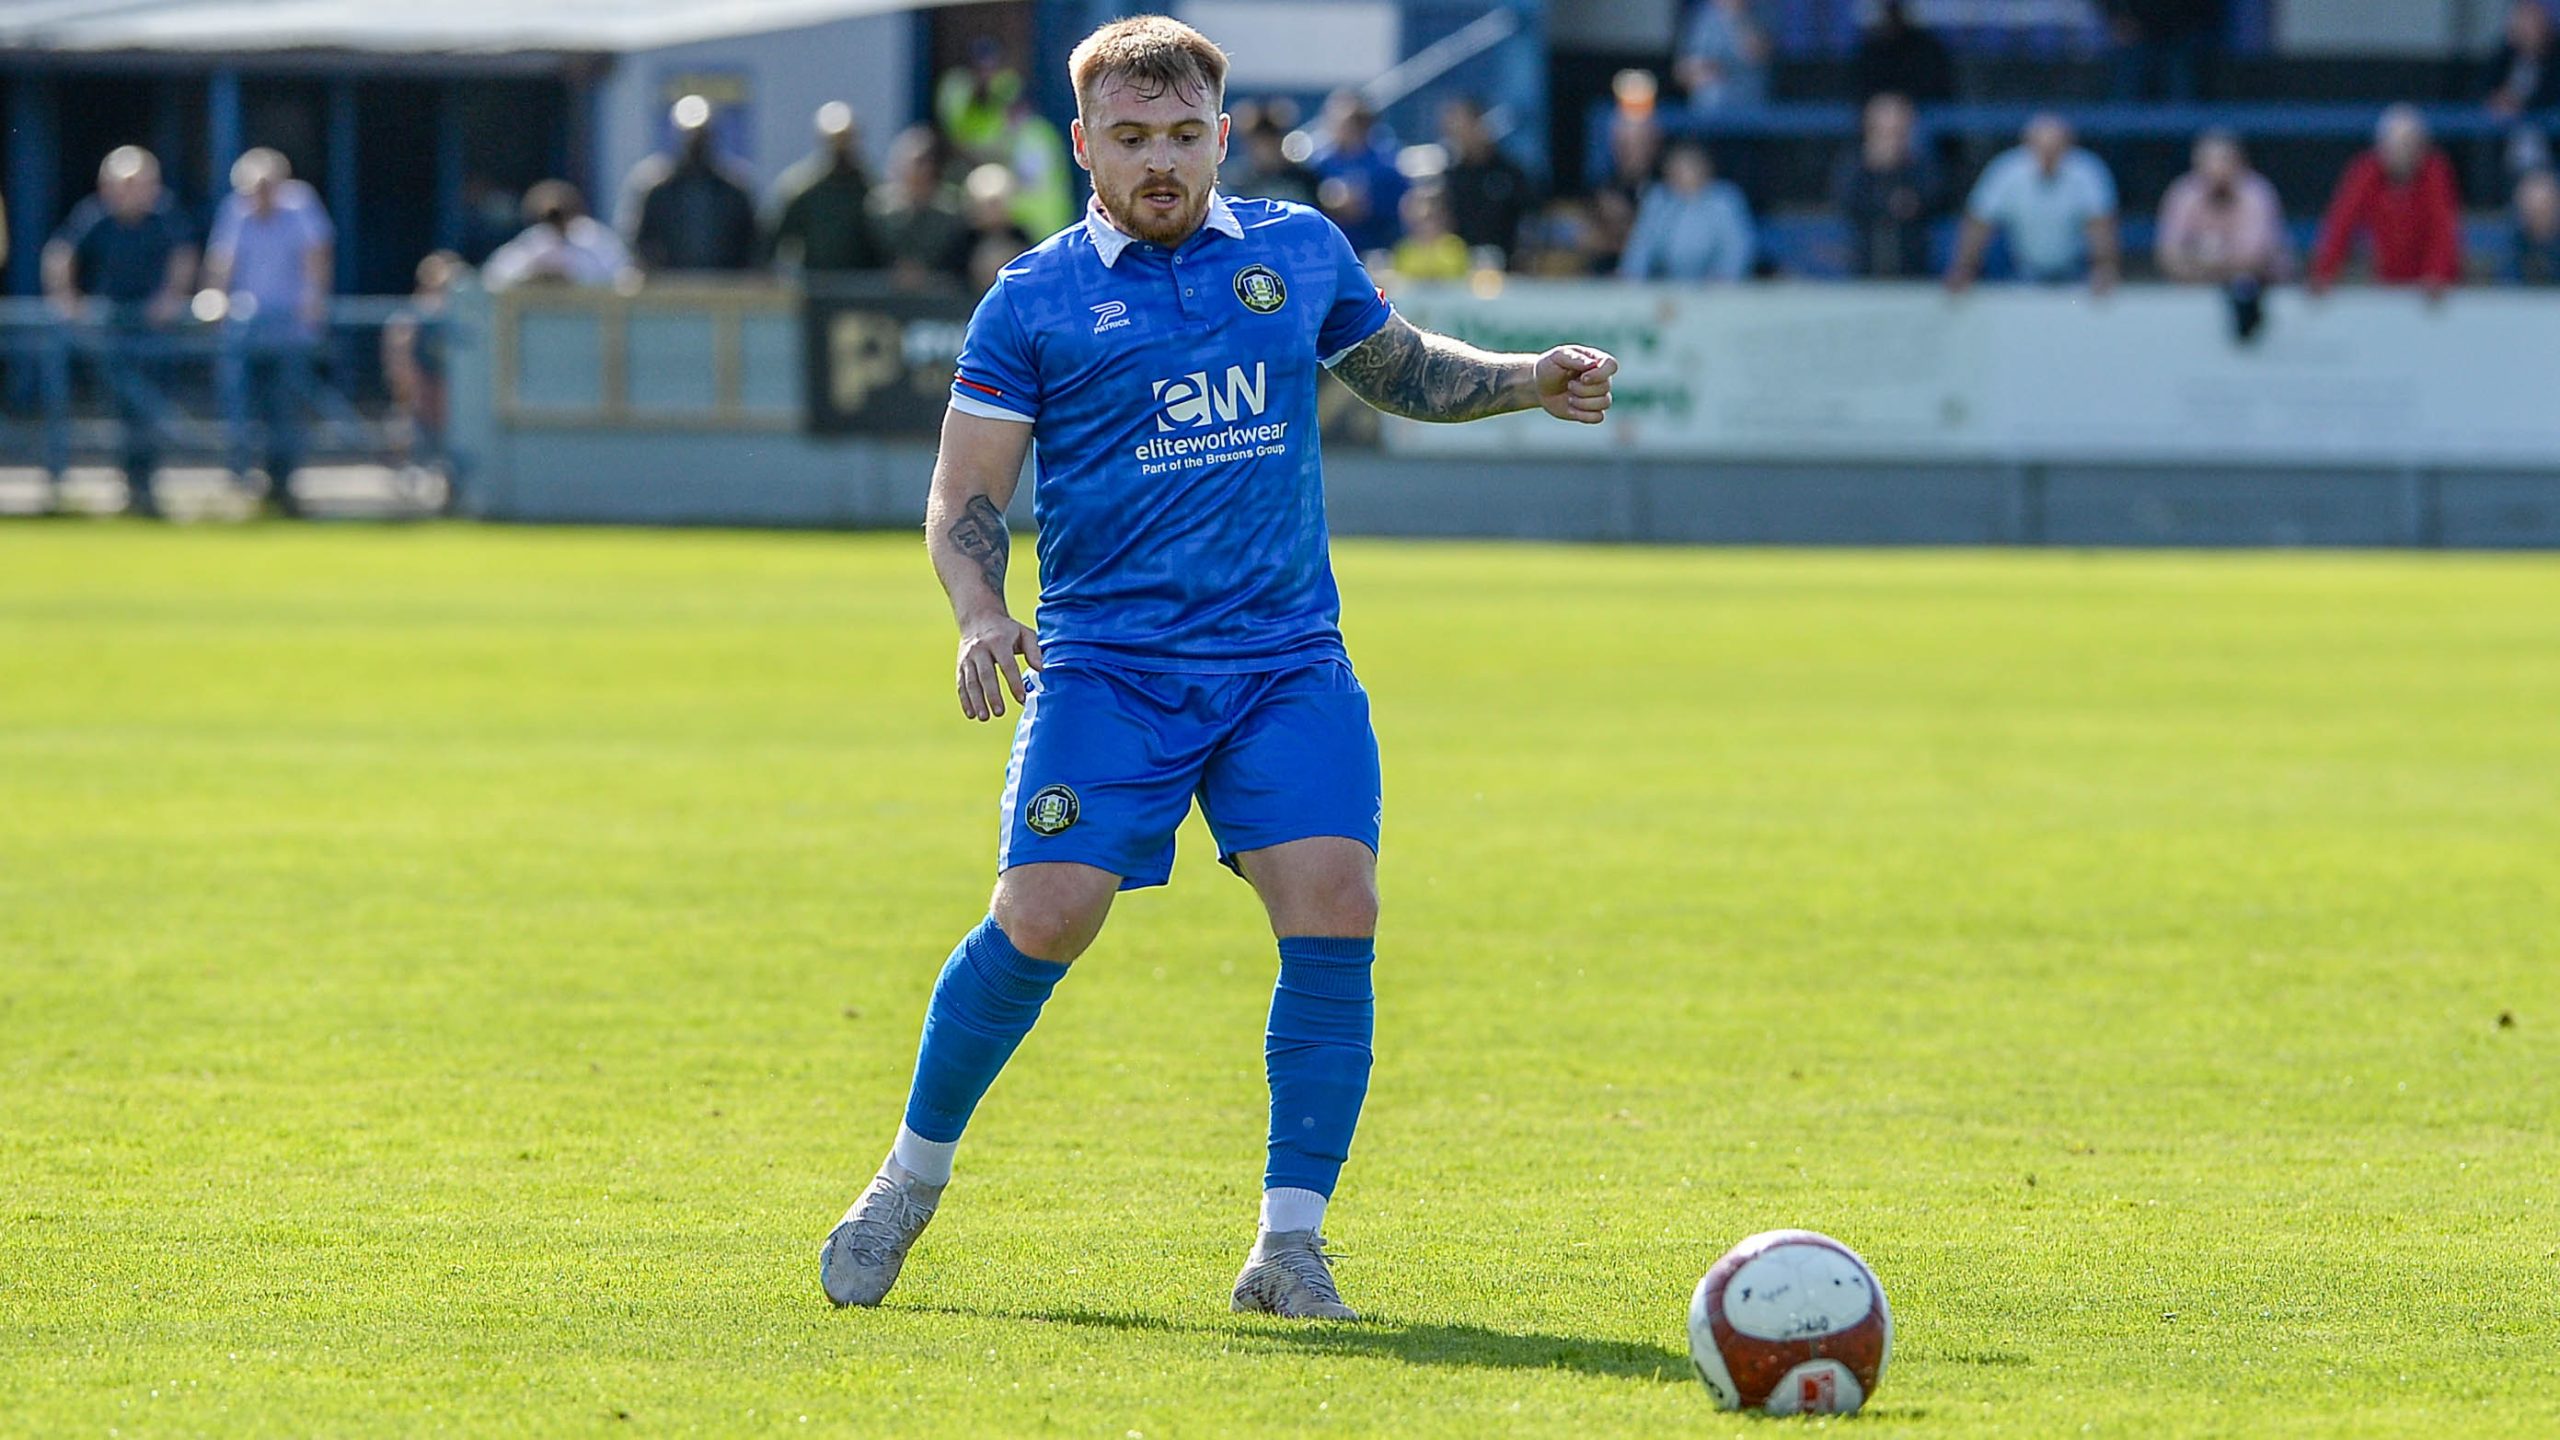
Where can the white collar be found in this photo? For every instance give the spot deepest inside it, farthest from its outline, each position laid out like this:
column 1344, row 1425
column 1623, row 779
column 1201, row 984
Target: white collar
column 1109, row 239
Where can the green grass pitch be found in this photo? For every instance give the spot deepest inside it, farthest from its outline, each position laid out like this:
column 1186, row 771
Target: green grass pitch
column 451, row 979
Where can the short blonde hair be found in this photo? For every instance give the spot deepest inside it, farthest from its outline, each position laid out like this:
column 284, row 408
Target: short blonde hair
column 1152, row 54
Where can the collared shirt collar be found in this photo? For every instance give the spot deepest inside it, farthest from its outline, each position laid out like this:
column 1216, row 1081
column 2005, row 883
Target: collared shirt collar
column 1109, row 239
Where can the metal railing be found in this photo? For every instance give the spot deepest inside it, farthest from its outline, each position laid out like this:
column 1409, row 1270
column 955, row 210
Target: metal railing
column 72, row 385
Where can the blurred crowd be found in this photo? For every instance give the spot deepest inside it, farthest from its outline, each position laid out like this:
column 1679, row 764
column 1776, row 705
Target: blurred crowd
column 963, row 195
column 2048, row 206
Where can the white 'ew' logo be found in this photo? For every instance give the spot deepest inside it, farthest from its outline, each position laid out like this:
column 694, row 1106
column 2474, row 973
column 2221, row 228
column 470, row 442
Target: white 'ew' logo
column 1189, row 400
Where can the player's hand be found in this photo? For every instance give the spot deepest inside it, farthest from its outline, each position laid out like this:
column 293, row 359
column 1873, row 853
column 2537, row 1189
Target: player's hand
column 1573, row 383
column 987, row 667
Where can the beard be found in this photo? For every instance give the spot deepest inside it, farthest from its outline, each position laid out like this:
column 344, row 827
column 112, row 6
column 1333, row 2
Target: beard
column 1139, row 216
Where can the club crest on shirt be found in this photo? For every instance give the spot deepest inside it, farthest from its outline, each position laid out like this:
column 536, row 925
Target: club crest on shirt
column 1051, row 811
column 1259, row 287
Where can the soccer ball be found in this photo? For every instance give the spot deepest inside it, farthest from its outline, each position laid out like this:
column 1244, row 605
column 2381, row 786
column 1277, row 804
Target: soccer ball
column 1791, row 1323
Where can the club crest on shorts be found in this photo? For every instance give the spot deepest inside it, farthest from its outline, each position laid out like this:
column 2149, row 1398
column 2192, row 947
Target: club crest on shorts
column 1259, row 287
column 1051, row 811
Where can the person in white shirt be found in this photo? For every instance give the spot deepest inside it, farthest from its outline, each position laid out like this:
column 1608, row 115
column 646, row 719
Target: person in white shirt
column 561, row 244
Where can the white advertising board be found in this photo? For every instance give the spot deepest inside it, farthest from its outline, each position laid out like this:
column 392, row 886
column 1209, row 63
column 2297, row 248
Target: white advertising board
column 2147, row 375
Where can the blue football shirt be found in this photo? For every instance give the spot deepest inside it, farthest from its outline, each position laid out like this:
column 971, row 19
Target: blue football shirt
column 1171, row 396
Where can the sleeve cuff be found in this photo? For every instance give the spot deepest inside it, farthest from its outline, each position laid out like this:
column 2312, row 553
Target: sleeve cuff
column 972, row 405
column 1335, row 358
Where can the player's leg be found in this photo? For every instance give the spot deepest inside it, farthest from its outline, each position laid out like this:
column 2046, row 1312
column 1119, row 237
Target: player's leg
column 1322, row 896
column 986, row 1000
column 1093, row 795
column 1294, row 798
column 990, row 993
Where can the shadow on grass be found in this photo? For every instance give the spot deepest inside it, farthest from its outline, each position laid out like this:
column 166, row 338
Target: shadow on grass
column 1458, row 1345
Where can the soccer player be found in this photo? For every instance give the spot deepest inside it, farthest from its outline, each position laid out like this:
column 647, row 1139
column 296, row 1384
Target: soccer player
column 1162, row 356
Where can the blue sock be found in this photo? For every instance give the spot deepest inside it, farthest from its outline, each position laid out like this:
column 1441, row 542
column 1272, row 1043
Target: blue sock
column 1317, row 1056
column 983, row 1005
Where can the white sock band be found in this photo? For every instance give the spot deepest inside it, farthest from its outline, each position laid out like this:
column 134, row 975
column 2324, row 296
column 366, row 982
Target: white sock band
column 927, row 1160
column 1292, row 1209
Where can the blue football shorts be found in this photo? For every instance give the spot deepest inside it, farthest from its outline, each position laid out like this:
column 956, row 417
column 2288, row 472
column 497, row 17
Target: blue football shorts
column 1106, row 763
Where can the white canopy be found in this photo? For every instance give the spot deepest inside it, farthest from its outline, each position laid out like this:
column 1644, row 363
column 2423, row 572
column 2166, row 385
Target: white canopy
column 445, row 27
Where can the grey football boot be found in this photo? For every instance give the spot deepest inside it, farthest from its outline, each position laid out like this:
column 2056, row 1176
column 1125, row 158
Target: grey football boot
column 1289, row 1275
column 862, row 1256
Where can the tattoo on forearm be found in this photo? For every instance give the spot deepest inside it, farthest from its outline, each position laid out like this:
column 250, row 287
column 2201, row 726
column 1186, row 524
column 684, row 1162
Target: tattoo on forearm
column 979, row 533
column 1405, row 371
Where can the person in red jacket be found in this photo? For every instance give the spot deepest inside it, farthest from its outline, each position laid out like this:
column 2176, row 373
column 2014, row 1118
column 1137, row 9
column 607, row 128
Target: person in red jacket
column 2401, row 193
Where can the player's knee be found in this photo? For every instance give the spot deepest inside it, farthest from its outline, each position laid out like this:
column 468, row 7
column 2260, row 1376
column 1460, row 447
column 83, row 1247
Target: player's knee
column 1050, row 917
column 1345, row 904
column 1353, row 910
column 1047, row 931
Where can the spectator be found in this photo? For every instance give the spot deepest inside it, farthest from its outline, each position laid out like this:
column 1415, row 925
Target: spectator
column 413, row 360
column 1485, row 192
column 973, row 103
column 2055, row 203
column 821, row 207
column 2524, row 76
column 1358, row 182
column 1889, row 191
column 2537, row 221
column 2401, row 195
column 995, row 237
column 2221, row 222
column 1264, row 167
column 1691, row 226
column 125, row 260
column 560, row 244
column 1044, row 189
column 1896, row 56
column 927, row 237
column 2524, row 80
column 686, row 211
column 1724, row 56
column 272, row 255
column 1430, row 250
column 2162, row 46
column 1635, row 149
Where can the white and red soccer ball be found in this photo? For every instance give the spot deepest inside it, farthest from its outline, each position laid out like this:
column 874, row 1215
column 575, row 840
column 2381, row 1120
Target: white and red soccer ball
column 1791, row 1323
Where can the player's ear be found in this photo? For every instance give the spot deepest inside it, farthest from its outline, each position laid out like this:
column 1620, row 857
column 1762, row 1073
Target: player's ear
column 1075, row 133
column 1225, row 123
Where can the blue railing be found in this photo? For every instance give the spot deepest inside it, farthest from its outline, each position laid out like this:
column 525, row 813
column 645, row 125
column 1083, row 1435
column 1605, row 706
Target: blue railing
column 60, row 411
column 1823, row 120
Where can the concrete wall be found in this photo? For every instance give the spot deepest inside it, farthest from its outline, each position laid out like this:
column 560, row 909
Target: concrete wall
column 681, row 478
column 630, row 465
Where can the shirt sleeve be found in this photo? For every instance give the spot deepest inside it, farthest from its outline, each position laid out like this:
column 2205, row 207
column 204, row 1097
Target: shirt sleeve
column 1359, row 308
column 76, row 230
column 317, row 228
column 997, row 378
column 2101, row 185
column 1990, row 196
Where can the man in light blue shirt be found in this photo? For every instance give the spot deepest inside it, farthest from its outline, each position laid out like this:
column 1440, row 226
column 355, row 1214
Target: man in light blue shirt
column 272, row 254
column 2054, row 202
column 1691, row 226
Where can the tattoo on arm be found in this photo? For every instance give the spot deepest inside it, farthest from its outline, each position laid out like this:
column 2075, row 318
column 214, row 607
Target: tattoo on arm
column 1421, row 376
column 980, row 534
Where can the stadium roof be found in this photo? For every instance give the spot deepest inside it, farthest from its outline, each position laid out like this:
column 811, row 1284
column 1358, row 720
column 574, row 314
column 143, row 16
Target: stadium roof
column 446, row 27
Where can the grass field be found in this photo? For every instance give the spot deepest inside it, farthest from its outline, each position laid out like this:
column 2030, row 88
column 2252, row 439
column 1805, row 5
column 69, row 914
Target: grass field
column 451, row 979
